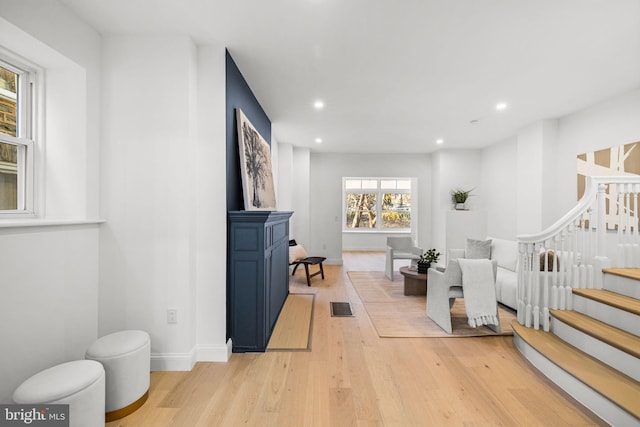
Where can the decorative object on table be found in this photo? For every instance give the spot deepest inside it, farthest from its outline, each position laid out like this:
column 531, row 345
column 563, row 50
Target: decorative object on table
column 255, row 166
column 431, row 255
column 459, row 198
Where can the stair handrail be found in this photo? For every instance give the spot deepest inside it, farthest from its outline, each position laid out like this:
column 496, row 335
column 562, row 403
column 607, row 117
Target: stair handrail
column 578, row 244
column 585, row 202
column 592, row 186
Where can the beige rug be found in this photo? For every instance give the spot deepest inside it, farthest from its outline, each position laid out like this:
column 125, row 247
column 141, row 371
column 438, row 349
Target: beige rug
column 395, row 315
column 292, row 330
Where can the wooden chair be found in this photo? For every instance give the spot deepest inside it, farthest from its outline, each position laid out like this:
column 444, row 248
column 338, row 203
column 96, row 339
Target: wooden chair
column 298, row 256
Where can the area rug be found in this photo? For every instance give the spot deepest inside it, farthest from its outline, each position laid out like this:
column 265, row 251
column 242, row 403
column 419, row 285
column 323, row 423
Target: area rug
column 395, row 315
column 292, row 331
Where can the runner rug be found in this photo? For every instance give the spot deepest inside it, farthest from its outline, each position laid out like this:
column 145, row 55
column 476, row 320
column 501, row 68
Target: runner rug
column 292, row 331
column 395, row 315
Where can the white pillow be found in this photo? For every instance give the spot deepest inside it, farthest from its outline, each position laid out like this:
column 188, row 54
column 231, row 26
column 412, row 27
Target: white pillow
column 296, row 253
column 477, row 249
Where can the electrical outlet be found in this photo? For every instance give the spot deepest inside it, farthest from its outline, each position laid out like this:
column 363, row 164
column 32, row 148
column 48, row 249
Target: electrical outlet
column 172, row 315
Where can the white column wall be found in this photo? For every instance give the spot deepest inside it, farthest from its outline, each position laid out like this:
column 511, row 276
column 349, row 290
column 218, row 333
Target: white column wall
column 211, row 220
column 499, row 169
column 284, row 192
column 454, row 169
column 549, row 177
column 529, row 196
column 157, row 194
column 536, row 154
column 301, row 196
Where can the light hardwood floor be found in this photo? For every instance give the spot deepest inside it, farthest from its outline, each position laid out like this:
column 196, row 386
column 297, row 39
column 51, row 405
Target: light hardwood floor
column 352, row 377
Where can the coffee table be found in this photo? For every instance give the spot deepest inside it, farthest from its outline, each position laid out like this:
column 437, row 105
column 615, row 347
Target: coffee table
column 414, row 282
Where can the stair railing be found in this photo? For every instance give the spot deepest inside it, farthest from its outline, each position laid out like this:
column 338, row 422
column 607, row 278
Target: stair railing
column 573, row 251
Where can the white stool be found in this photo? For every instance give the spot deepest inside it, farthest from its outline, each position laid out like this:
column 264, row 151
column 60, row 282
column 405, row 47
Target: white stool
column 126, row 357
column 80, row 384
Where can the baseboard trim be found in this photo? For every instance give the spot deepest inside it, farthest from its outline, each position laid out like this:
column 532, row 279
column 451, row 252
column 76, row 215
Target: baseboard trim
column 173, row 361
column 214, row 353
column 186, row 361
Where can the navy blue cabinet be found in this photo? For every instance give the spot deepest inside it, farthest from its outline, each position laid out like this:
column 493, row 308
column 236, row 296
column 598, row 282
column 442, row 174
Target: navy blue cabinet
column 258, row 275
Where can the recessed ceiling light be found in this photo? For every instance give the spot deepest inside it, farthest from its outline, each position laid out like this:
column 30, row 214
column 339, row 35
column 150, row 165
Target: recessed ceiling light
column 501, row 106
column 318, row 105
column 318, row 140
column 439, row 141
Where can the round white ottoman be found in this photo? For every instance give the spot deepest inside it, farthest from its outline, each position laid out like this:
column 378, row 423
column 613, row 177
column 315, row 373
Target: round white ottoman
column 80, row 384
column 126, row 357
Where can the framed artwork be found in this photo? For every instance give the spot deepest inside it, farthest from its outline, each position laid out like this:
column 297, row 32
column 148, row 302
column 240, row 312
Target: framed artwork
column 623, row 160
column 255, row 167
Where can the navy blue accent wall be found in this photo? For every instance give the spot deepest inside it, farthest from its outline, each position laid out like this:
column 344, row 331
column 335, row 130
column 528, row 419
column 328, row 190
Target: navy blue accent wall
column 239, row 95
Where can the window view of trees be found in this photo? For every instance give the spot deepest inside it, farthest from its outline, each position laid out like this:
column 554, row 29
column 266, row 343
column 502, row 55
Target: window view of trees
column 396, row 210
column 361, row 210
column 8, row 152
column 377, row 204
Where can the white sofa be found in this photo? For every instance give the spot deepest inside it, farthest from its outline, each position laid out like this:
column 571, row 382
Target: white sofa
column 505, row 253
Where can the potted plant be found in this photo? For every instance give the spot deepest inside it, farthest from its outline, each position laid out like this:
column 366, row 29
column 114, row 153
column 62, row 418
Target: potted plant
column 459, row 197
column 431, row 255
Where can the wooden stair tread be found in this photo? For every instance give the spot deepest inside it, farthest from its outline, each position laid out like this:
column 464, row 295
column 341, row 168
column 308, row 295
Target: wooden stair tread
column 615, row 337
column 622, row 302
column 632, row 273
column 622, row 390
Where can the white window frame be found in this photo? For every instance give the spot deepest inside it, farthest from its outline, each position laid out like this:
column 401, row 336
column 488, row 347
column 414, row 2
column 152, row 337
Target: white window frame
column 26, row 120
column 380, row 192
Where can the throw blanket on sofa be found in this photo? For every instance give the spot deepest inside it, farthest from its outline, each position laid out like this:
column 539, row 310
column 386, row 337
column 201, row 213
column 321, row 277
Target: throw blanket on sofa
column 478, row 285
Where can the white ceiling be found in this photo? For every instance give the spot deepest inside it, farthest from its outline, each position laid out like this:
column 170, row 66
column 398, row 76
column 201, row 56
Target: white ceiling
column 397, row 75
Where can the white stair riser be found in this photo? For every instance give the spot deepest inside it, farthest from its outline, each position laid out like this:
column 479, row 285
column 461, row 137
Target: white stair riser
column 623, row 362
column 622, row 285
column 615, row 317
column 594, row 401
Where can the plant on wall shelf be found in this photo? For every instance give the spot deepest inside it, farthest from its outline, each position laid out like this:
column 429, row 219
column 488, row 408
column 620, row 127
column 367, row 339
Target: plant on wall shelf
column 459, row 197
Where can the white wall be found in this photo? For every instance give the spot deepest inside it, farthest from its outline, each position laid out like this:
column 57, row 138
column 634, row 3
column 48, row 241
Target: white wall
column 539, row 164
column 327, row 171
column 211, row 220
column 160, row 191
column 499, row 168
column 49, row 299
column 50, row 273
column 301, row 196
column 283, row 175
column 454, row 169
column 293, row 189
column 608, row 124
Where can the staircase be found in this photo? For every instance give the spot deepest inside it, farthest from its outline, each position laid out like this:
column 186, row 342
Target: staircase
column 592, row 351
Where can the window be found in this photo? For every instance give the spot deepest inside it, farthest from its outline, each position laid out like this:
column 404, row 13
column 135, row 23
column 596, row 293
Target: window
column 377, row 204
column 16, row 138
